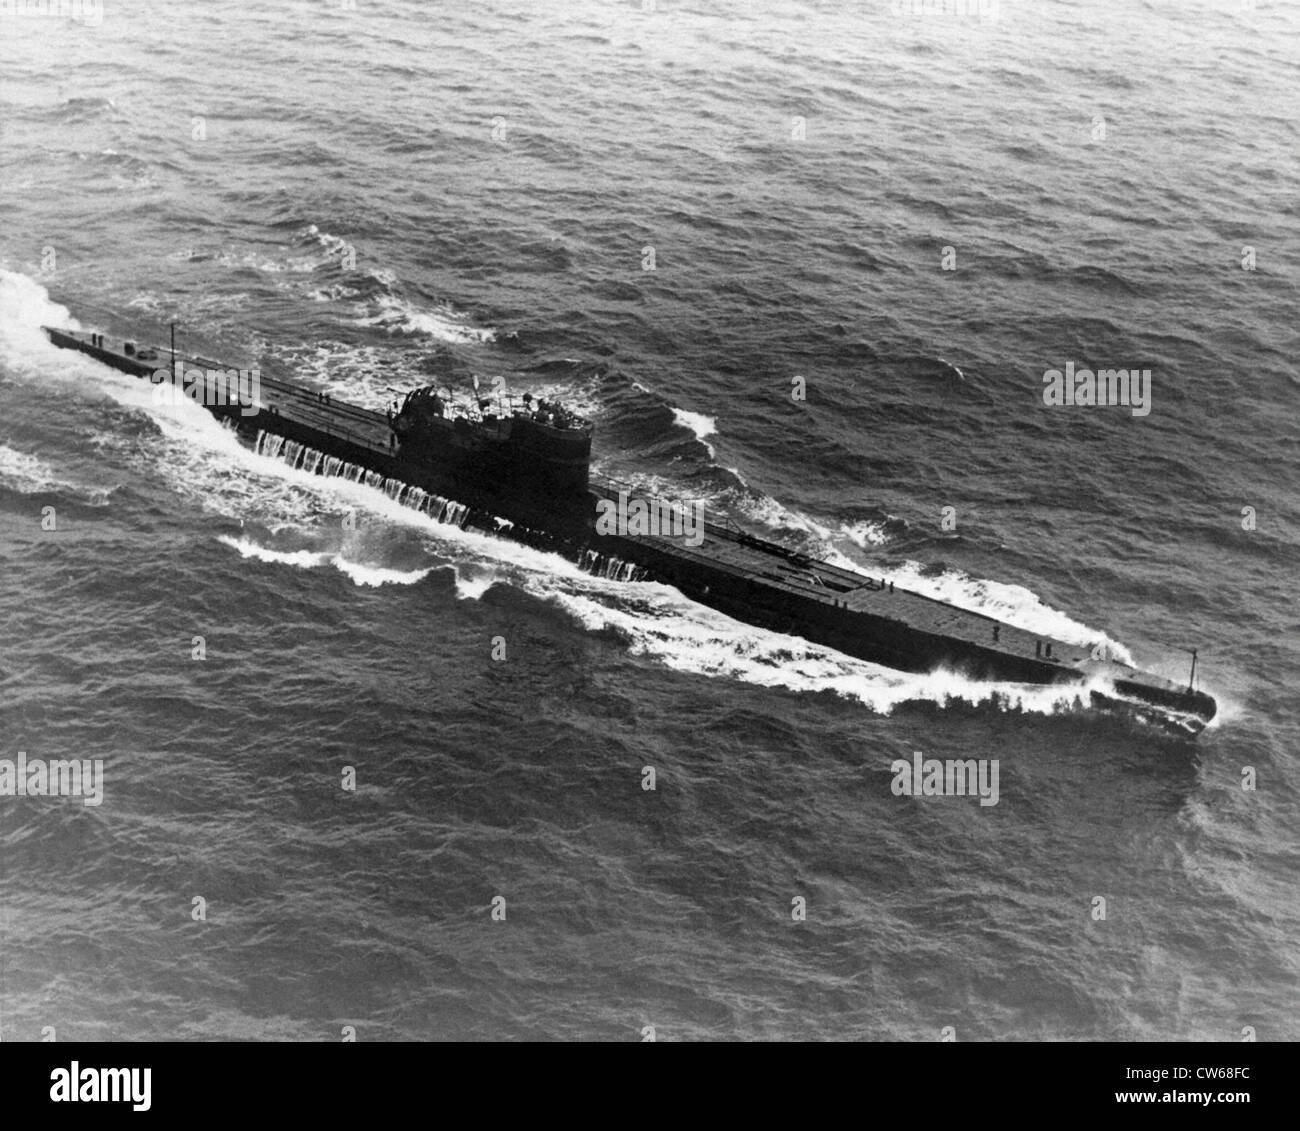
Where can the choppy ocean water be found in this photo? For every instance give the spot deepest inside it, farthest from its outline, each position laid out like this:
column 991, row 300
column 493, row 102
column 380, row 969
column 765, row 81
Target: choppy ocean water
column 361, row 199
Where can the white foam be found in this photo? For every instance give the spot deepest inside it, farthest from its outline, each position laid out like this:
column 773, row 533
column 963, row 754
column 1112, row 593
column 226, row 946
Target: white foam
column 25, row 306
column 953, row 368
column 25, row 473
column 259, row 262
column 686, row 637
column 1011, row 604
column 473, row 588
column 359, row 374
column 335, row 246
column 699, row 425
column 777, row 516
column 335, row 292
column 303, row 559
column 865, row 533
column 395, row 313
column 361, row 574
column 374, row 576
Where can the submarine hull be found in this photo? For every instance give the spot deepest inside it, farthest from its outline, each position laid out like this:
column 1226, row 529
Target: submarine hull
column 755, row 581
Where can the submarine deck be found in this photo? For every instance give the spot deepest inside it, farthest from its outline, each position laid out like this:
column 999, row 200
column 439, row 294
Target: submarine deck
column 806, row 577
column 361, row 426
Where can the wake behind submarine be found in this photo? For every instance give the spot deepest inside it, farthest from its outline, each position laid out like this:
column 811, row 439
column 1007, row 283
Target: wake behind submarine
column 521, row 469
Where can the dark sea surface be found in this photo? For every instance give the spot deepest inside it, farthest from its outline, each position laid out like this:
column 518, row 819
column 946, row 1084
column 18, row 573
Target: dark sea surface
column 368, row 200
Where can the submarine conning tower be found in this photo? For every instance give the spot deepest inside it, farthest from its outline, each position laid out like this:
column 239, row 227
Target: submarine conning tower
column 519, row 439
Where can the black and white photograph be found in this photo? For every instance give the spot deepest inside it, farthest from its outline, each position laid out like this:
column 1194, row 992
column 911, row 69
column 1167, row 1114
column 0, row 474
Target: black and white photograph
column 631, row 521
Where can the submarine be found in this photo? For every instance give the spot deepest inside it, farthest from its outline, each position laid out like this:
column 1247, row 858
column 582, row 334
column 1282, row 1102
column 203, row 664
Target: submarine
column 519, row 468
